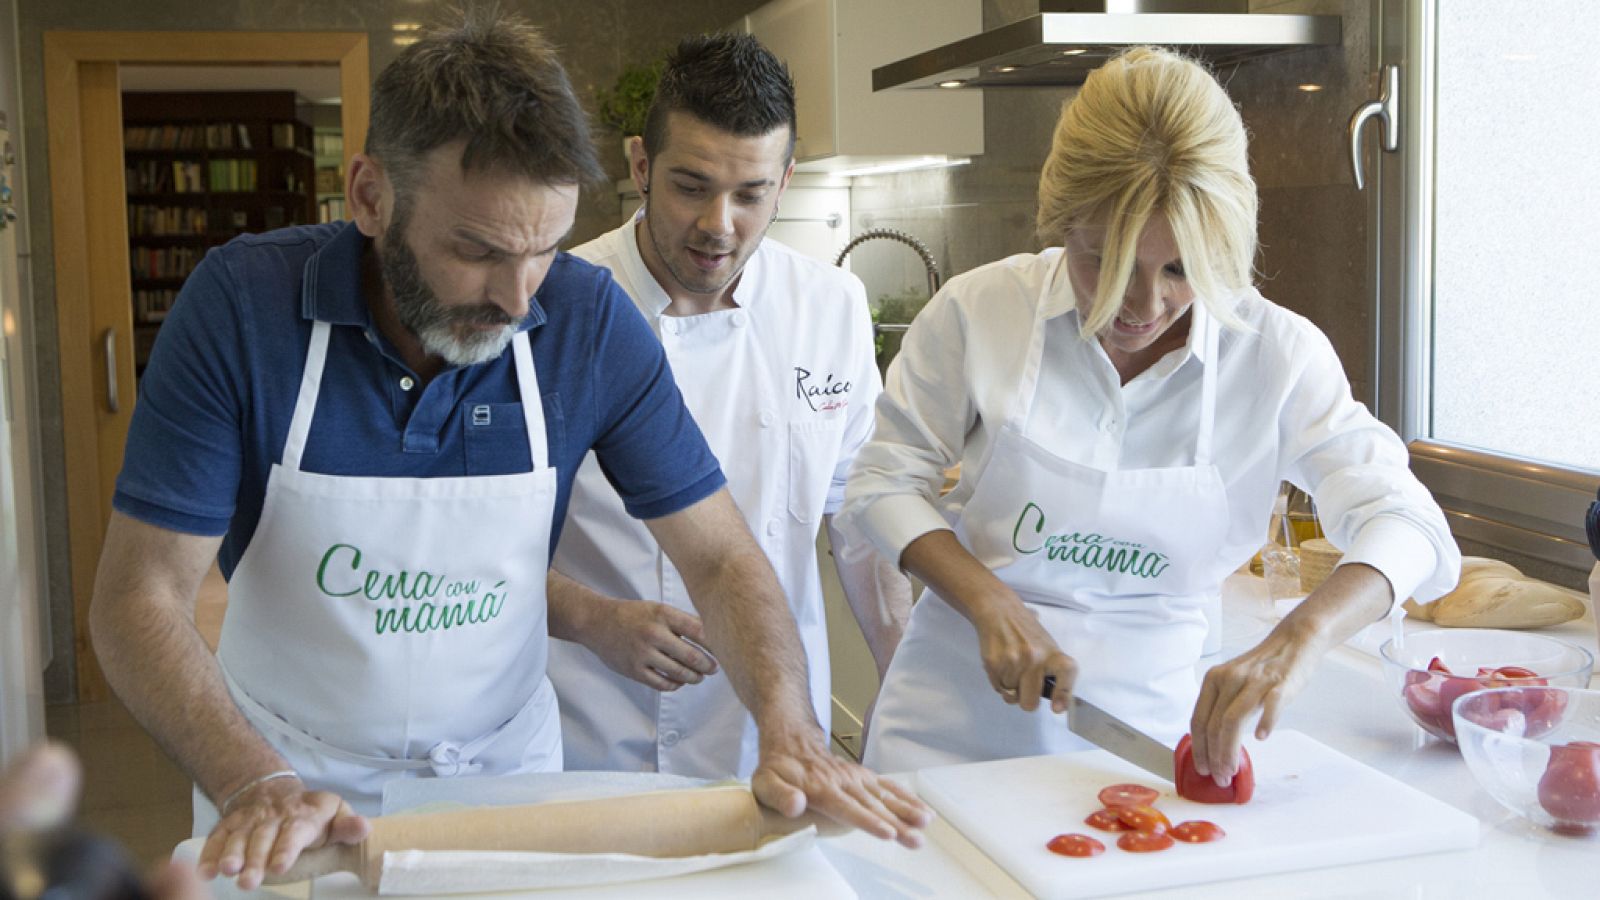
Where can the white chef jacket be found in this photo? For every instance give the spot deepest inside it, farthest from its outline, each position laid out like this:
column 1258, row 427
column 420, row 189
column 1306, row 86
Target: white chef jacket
column 1284, row 412
column 786, row 465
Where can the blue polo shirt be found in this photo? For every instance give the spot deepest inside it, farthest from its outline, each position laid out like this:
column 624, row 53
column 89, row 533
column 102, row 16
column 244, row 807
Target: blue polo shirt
column 216, row 399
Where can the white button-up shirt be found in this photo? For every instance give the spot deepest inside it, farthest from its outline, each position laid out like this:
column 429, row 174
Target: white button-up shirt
column 783, row 387
column 1284, row 413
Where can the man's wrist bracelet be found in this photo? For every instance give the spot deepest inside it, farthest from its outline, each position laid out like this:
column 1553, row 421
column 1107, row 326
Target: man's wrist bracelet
column 251, row 785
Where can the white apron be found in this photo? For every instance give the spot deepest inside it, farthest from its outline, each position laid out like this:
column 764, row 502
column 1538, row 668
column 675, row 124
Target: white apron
column 396, row 627
column 1119, row 566
column 702, row 730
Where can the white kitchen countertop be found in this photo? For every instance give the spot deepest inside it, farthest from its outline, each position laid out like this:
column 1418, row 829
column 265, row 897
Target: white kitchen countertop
column 1347, row 707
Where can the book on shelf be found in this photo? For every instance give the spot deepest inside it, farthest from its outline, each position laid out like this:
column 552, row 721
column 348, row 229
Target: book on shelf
column 150, row 307
column 161, row 221
column 163, row 262
column 330, row 209
column 327, row 143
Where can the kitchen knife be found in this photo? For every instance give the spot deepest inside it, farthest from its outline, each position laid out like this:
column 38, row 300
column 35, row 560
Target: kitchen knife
column 1115, row 736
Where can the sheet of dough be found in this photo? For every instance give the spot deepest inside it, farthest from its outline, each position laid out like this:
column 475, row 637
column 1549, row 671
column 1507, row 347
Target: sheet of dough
column 414, row 873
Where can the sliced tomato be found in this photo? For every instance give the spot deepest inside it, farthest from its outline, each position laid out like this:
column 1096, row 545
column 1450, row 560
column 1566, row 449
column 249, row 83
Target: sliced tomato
column 1144, row 842
column 1080, row 845
column 1197, row 831
column 1105, row 820
column 1128, row 795
column 1514, row 674
column 1143, row 818
column 1200, row 788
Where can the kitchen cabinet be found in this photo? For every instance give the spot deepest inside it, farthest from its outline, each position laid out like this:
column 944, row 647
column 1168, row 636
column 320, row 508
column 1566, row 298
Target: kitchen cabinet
column 831, row 47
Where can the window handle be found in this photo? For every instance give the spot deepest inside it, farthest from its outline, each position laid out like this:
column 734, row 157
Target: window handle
column 1387, row 110
column 113, row 403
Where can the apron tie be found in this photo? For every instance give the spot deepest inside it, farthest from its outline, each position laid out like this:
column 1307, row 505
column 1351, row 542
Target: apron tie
column 445, row 757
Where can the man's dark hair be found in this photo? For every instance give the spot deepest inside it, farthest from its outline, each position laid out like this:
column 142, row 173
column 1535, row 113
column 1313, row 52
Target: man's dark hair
column 728, row 81
column 491, row 80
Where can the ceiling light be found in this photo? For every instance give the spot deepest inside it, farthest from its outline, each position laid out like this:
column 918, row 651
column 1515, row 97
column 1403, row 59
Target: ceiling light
column 1006, row 69
column 911, row 164
column 1310, row 88
column 1075, row 52
column 951, row 84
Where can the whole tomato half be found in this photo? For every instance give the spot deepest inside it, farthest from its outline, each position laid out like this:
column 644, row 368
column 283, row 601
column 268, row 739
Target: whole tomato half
column 1200, row 788
column 1570, row 787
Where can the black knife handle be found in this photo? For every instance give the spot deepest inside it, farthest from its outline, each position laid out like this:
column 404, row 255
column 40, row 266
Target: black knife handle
column 1049, row 687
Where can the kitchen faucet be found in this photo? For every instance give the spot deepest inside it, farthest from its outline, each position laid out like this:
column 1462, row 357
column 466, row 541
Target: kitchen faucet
column 895, row 235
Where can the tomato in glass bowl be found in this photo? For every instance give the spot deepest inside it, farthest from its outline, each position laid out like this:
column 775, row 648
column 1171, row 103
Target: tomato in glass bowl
column 1432, row 669
column 1551, row 778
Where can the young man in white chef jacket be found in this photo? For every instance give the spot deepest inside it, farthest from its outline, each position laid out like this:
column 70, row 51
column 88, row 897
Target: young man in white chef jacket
column 773, row 352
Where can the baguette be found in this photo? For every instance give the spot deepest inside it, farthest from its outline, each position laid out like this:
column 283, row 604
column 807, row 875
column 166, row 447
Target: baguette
column 1472, row 568
column 1492, row 594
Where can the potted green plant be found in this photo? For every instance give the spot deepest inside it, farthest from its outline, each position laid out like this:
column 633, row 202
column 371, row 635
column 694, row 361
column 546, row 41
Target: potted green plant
column 623, row 106
column 897, row 309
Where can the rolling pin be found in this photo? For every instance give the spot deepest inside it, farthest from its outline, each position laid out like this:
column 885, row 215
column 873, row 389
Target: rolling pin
column 660, row 824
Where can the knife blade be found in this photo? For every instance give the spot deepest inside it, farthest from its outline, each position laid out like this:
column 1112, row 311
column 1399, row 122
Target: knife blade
column 1115, row 736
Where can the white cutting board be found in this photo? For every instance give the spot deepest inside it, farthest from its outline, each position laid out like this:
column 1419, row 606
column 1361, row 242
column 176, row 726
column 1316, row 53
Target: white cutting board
column 1313, row 807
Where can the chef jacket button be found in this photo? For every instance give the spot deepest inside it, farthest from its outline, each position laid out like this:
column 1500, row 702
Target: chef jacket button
column 772, row 527
column 738, row 319
column 670, row 738
column 767, row 418
column 406, row 383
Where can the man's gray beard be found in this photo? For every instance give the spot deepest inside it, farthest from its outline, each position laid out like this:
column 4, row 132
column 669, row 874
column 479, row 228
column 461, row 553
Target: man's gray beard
column 421, row 312
column 438, row 340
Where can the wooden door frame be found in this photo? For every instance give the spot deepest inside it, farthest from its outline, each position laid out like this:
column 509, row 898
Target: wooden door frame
column 88, row 207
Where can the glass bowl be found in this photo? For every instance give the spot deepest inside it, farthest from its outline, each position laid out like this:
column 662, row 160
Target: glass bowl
column 1551, row 777
column 1435, row 667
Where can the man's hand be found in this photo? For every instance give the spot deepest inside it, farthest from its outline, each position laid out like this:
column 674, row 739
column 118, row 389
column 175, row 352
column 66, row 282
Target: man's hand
column 797, row 773
column 655, row 644
column 270, row 825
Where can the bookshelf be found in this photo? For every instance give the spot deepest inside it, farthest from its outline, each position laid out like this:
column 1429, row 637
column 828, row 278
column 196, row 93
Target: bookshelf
column 328, row 149
column 201, row 168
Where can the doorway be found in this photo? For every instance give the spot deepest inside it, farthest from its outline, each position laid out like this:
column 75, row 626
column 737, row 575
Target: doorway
column 91, row 260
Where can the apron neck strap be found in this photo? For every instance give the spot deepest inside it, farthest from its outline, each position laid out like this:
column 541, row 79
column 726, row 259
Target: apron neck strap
column 311, row 386
column 532, row 400
column 1028, row 389
column 306, row 403
column 1033, row 361
column 1208, row 386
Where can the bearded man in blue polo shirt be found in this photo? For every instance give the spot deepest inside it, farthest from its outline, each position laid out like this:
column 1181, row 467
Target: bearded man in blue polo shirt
column 377, row 424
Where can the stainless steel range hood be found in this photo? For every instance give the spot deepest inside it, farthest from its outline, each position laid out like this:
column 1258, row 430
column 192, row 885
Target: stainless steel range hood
column 1069, row 38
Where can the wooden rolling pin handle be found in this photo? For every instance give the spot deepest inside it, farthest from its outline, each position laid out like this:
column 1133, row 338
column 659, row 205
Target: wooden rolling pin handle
column 319, row 862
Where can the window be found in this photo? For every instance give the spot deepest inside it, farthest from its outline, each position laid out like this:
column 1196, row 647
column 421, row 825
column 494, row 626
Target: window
column 1489, row 274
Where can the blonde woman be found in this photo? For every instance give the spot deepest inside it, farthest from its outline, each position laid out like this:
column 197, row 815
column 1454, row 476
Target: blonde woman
column 1123, row 406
